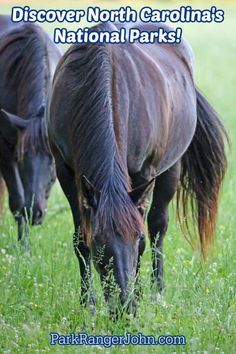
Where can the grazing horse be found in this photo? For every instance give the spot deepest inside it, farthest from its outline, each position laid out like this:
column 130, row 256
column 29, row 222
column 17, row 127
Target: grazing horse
column 28, row 59
column 126, row 122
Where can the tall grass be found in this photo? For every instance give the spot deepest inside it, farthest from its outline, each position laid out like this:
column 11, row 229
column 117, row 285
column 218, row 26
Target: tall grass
column 39, row 293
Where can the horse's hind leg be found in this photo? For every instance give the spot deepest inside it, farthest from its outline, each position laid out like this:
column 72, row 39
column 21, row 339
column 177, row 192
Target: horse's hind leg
column 164, row 190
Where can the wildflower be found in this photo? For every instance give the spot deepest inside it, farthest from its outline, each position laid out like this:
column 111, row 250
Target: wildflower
column 188, row 262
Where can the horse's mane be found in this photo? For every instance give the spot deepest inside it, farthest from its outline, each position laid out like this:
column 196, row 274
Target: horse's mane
column 94, row 140
column 27, row 70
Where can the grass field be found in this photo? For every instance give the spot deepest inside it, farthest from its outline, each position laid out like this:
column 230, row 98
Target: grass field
column 40, row 293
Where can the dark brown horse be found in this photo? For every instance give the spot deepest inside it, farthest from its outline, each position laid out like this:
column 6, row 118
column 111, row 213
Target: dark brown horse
column 126, row 121
column 27, row 63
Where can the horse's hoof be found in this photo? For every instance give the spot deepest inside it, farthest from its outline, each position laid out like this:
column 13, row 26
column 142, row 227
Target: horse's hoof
column 89, row 301
column 92, row 305
column 138, row 292
column 25, row 246
column 158, row 284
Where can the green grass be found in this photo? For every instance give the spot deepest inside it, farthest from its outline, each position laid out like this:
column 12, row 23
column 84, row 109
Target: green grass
column 40, row 293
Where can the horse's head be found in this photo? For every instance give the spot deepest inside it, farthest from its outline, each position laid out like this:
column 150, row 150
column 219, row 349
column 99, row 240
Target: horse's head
column 32, row 170
column 115, row 253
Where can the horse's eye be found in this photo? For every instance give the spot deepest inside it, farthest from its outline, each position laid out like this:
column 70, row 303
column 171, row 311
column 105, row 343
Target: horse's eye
column 86, row 204
column 141, row 209
column 140, row 235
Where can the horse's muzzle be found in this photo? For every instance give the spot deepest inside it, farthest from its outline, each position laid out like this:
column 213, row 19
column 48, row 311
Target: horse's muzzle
column 37, row 218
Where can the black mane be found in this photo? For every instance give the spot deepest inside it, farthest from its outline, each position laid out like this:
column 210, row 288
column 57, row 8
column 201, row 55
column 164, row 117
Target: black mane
column 97, row 153
column 27, row 70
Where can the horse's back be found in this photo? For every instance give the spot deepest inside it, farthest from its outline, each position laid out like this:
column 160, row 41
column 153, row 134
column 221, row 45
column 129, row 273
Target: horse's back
column 182, row 50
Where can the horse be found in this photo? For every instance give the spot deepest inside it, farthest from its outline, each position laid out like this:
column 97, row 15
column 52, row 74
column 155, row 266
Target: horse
column 27, row 65
column 126, row 125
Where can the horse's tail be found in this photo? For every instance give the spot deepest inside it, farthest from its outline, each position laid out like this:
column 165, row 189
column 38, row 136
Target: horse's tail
column 203, row 168
column 2, row 190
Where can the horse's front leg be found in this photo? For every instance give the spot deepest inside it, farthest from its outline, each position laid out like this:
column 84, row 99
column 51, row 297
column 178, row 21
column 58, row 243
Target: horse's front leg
column 138, row 287
column 67, row 180
column 84, row 257
column 15, row 189
column 142, row 244
column 23, row 232
column 140, row 196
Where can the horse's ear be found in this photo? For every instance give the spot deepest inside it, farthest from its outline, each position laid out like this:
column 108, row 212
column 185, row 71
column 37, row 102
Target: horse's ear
column 13, row 120
column 90, row 193
column 139, row 194
column 10, row 124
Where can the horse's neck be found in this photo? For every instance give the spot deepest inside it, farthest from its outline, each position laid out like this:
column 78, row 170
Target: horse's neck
column 29, row 108
column 35, row 80
column 32, row 95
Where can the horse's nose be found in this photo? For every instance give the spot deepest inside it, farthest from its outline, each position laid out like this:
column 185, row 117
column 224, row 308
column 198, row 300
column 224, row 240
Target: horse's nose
column 37, row 216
